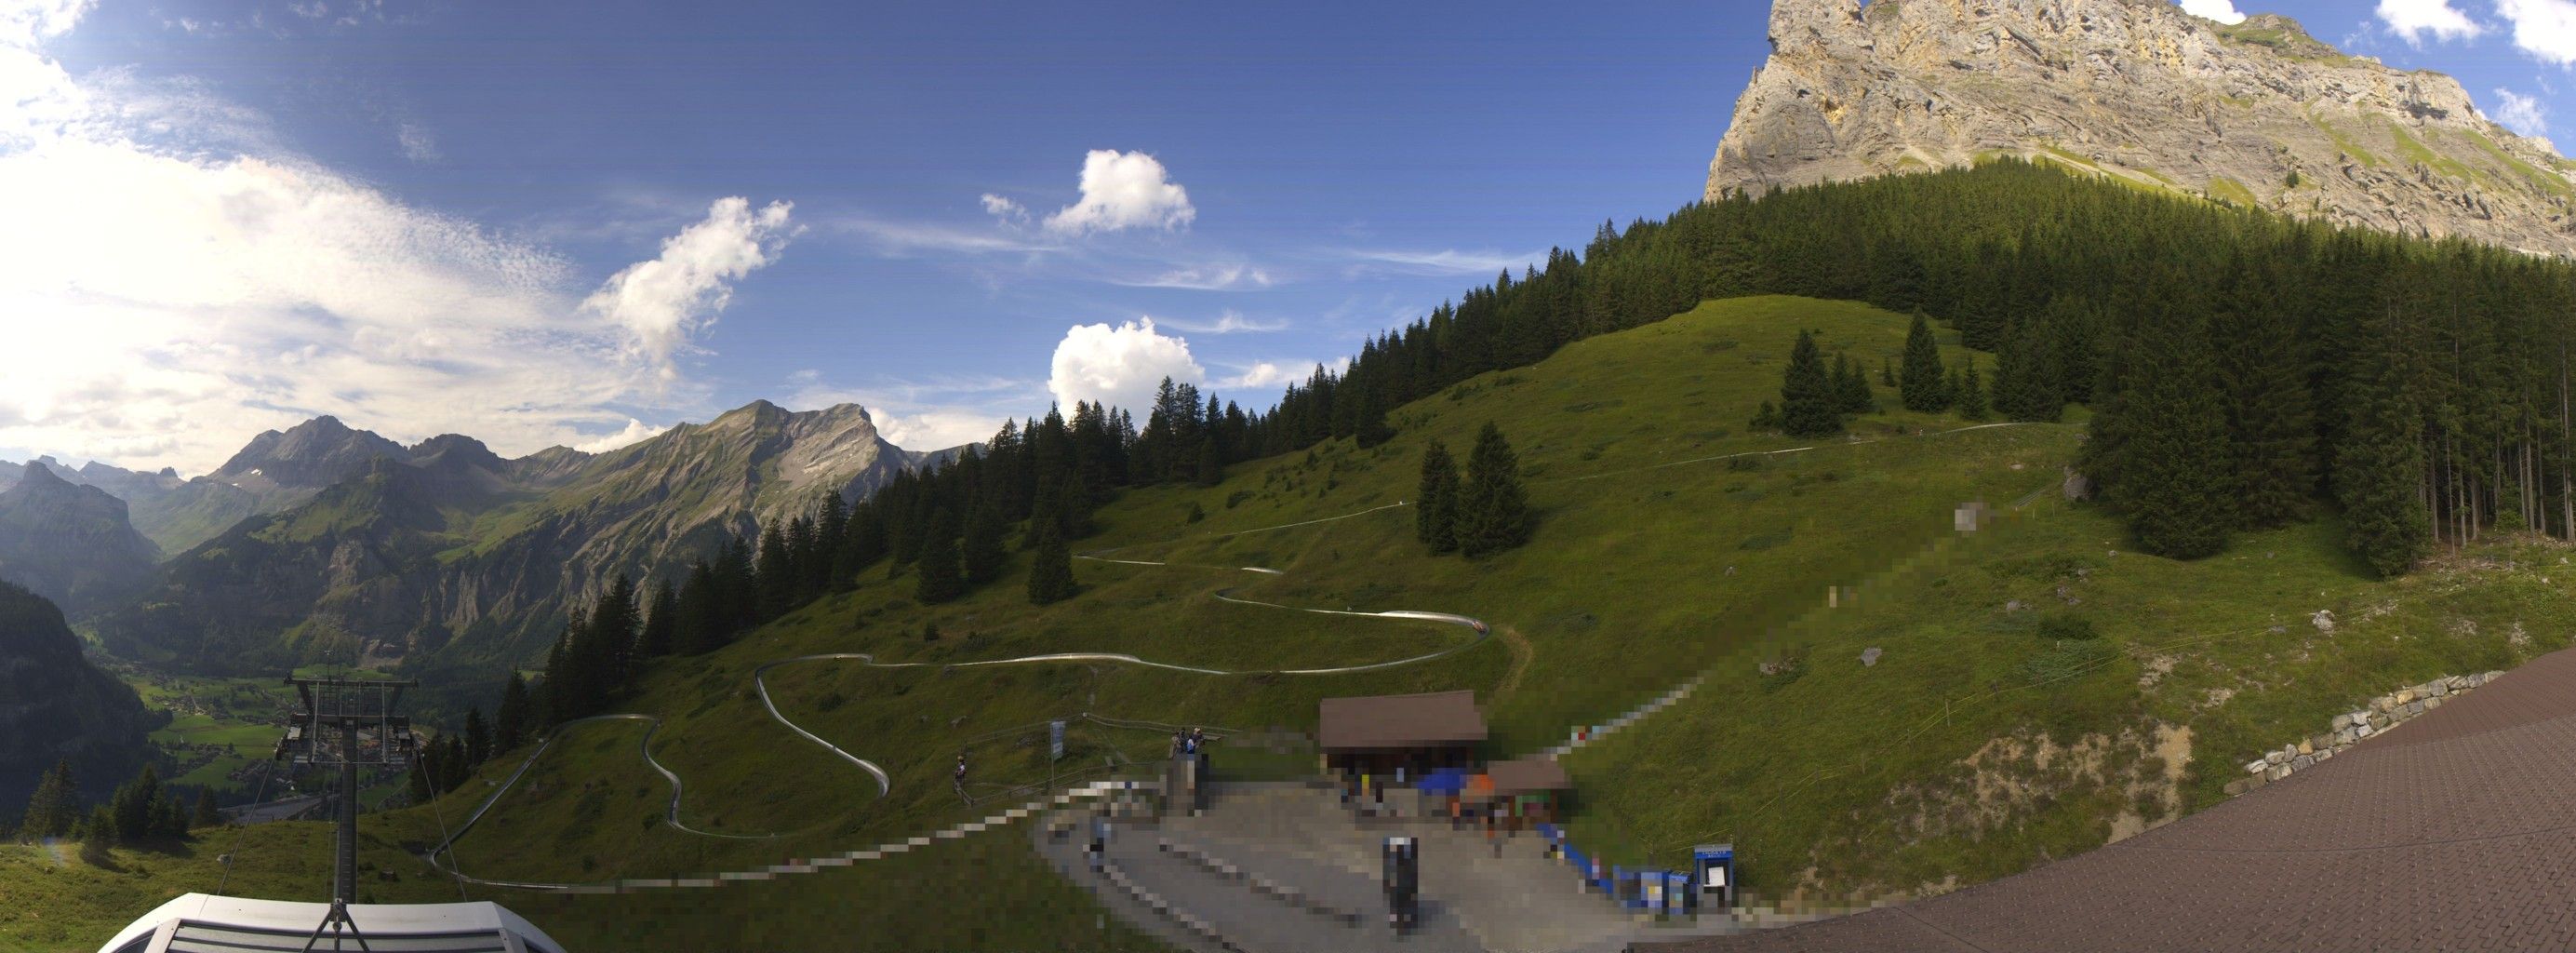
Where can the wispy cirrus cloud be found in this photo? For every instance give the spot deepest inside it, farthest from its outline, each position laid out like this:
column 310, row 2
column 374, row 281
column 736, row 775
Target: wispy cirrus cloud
column 1227, row 277
column 1227, row 322
column 1446, row 261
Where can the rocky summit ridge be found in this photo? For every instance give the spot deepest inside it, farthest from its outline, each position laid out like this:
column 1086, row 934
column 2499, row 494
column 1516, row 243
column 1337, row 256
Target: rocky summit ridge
column 2256, row 114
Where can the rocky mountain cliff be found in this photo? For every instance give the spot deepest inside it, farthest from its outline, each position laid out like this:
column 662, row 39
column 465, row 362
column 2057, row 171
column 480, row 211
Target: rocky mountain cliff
column 2258, row 114
column 55, row 705
column 445, row 554
column 69, row 543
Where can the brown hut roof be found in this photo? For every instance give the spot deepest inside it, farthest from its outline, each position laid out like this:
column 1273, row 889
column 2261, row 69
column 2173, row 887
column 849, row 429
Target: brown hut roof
column 1399, row 721
column 1528, row 776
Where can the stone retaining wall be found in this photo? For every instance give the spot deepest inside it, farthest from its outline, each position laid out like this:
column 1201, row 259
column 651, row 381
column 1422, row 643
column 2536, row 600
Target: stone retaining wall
column 2383, row 712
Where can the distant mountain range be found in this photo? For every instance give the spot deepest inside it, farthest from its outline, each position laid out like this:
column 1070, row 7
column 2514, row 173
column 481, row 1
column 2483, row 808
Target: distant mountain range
column 324, row 541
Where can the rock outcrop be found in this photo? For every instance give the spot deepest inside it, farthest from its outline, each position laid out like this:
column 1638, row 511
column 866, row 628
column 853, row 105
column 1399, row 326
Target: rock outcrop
column 2258, row 114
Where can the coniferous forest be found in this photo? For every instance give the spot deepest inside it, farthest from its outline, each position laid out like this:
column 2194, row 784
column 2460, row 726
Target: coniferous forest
column 2244, row 371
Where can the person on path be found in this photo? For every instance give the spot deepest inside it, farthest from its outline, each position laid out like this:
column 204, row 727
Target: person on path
column 960, row 778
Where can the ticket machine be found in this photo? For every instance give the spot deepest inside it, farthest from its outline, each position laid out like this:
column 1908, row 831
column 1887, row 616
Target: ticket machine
column 1713, row 868
column 1403, row 858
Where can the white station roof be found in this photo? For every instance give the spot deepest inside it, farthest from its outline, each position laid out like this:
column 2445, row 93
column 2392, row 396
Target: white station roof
column 199, row 923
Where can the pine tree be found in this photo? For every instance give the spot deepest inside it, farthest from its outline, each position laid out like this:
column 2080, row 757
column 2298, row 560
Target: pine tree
column 1435, row 517
column 1886, row 372
column 2176, row 483
column 421, row 769
column 661, row 633
column 2269, row 428
column 510, row 721
column 1923, row 387
column 1051, row 570
column 2025, row 385
column 1851, row 387
column 703, row 622
column 205, row 815
column 1807, row 399
column 2380, row 465
column 941, row 578
column 981, row 552
column 55, row 806
column 134, row 805
column 1972, row 395
column 478, row 737
column 610, row 651
column 1768, row 418
column 778, row 585
column 1211, row 467
column 1493, row 510
column 99, row 833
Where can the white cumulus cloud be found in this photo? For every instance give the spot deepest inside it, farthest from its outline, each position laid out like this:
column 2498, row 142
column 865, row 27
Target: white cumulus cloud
column 2545, row 29
column 664, row 302
column 176, row 281
column 1004, row 209
column 2414, row 20
column 2522, row 114
column 2223, row 11
column 1261, row 374
column 1121, row 365
column 1122, row 190
column 636, row 432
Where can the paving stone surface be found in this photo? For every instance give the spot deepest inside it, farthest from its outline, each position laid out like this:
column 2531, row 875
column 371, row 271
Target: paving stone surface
column 2453, row 831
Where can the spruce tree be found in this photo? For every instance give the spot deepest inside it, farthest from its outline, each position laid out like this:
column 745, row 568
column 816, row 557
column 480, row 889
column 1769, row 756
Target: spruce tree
column 2269, row 428
column 478, row 737
column 1493, row 510
column 2176, row 484
column 778, row 584
column 661, row 633
column 510, row 720
column 1972, row 395
column 2380, row 465
column 55, row 806
column 2025, row 387
column 610, row 652
column 941, row 578
column 135, row 804
column 1886, row 372
column 1435, row 517
column 1051, row 571
column 1211, row 467
column 1807, row 399
column 205, row 814
column 981, row 552
column 1767, row 418
column 1851, row 387
column 1923, row 386
column 98, row 833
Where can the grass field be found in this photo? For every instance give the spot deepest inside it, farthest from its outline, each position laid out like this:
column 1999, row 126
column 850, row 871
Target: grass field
column 1670, row 542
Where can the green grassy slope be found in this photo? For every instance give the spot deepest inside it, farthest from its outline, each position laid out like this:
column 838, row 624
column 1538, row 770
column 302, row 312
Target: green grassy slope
column 1652, row 563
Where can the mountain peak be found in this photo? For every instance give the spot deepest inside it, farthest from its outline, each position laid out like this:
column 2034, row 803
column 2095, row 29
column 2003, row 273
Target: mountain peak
column 2256, row 114
column 39, row 474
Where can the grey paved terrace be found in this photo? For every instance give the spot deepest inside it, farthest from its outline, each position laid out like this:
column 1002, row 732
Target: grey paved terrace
column 2453, row 831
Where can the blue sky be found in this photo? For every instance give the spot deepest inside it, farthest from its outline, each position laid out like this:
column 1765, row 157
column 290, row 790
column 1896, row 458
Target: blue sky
column 574, row 222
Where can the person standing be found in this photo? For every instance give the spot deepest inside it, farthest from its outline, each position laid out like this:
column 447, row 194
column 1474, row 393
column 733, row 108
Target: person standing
column 960, row 778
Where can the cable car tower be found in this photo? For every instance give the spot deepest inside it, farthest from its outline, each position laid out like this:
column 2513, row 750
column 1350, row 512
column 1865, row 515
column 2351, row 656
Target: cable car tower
column 347, row 724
